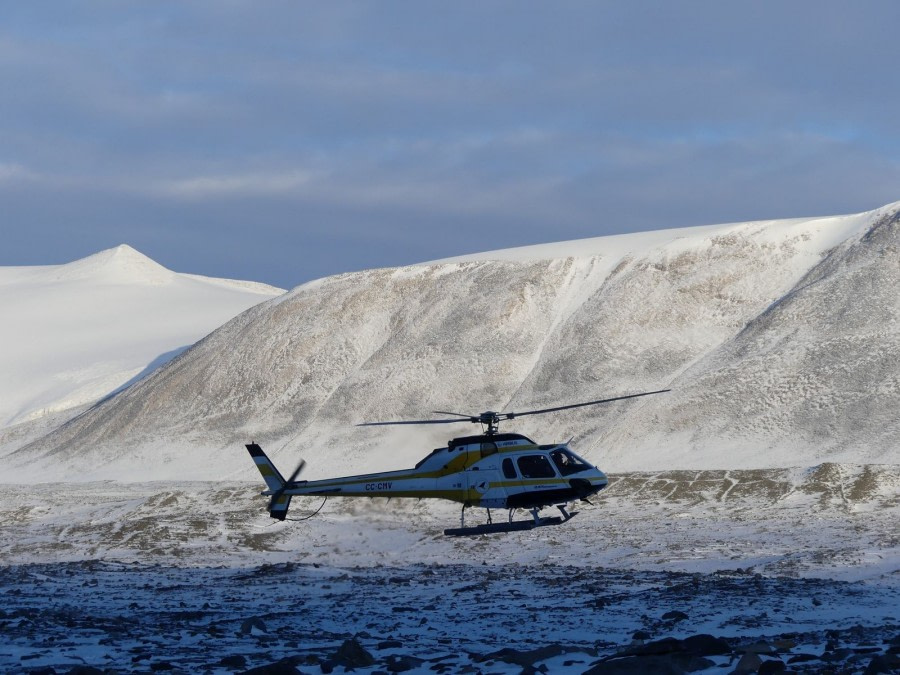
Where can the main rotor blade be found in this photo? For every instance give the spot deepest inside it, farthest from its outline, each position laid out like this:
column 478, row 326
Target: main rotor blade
column 383, row 424
column 513, row 415
column 445, row 412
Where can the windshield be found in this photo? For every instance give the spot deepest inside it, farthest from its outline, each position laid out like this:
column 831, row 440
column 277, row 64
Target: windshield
column 567, row 463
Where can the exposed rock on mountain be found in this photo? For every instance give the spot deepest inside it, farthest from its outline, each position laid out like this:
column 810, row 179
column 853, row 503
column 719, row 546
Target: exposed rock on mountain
column 779, row 340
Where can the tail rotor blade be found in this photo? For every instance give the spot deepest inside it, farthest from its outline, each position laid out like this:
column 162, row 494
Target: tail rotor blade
column 296, row 471
column 288, row 483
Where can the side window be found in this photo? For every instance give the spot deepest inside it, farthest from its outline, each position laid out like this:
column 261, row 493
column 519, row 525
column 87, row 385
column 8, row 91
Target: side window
column 536, row 466
column 509, row 471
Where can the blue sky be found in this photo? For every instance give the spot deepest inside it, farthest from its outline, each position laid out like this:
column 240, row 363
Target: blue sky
column 284, row 141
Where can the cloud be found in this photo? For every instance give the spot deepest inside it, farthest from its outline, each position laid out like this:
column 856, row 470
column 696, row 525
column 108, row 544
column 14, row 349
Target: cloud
column 233, row 186
column 10, row 172
column 369, row 135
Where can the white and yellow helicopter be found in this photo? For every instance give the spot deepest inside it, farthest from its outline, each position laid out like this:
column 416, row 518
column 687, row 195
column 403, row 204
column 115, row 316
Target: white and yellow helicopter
column 492, row 470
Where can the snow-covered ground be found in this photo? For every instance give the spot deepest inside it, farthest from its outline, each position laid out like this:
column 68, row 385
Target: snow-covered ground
column 795, row 566
column 77, row 332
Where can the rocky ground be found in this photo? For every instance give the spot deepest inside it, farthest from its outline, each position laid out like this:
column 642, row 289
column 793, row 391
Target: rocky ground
column 438, row 618
column 669, row 572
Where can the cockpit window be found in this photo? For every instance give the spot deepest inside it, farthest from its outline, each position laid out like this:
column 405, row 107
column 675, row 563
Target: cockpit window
column 567, row 463
column 536, row 466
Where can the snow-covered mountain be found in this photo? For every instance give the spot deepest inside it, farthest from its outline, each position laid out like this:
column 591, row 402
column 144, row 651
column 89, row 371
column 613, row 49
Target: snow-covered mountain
column 77, row 332
column 779, row 341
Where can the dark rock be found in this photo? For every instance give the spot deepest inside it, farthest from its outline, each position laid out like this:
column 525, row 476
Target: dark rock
column 398, row 663
column 248, row 626
column 658, row 664
column 160, row 666
column 758, row 648
column 705, row 645
column 390, row 644
column 351, row 654
column 641, row 635
column 84, row 670
column 883, row 663
column 837, row 655
column 771, row 667
column 524, row 658
column 749, row 663
column 234, row 661
column 674, row 615
column 665, row 646
column 286, row 666
column 803, row 658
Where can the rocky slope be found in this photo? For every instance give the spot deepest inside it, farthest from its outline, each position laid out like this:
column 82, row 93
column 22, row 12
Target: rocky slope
column 779, row 340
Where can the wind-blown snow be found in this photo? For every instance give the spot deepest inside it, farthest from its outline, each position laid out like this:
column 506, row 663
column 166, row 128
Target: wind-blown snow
column 777, row 338
column 77, row 332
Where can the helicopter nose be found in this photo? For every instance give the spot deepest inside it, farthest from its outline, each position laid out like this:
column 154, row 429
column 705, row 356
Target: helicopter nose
column 582, row 487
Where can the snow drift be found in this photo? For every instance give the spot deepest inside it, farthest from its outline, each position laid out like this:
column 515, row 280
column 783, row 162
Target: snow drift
column 779, row 340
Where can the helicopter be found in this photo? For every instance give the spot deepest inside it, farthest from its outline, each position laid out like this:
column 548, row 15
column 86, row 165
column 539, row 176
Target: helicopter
column 491, row 470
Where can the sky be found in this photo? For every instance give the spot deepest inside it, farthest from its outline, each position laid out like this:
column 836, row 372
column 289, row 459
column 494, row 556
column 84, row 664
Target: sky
column 283, row 141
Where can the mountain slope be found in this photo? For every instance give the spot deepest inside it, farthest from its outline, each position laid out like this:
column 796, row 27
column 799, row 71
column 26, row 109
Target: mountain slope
column 78, row 332
column 777, row 339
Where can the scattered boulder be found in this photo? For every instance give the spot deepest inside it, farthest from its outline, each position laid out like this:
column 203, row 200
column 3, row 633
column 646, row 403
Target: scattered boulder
column 695, row 645
column 883, row 663
column 659, row 664
column 771, row 667
column 286, row 666
column 674, row 615
column 401, row 663
column 525, row 658
column 667, row 645
column 749, row 663
column 758, row 648
column 705, row 645
column 253, row 626
column 234, row 661
column 390, row 644
column 351, row 654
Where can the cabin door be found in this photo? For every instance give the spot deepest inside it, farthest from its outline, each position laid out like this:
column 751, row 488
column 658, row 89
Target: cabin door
column 485, row 484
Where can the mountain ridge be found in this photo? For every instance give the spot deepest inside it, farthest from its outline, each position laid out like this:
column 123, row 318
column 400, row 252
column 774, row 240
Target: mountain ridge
column 665, row 309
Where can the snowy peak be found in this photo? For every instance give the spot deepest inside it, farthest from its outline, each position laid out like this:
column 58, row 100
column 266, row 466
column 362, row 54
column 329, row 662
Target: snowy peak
column 86, row 328
column 122, row 264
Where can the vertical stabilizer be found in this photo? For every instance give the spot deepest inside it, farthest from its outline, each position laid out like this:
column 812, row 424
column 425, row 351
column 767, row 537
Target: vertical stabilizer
column 274, row 479
column 280, row 502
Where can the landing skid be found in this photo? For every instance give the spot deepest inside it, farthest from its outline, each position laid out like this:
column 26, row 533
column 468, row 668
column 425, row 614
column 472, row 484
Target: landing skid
column 512, row 526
